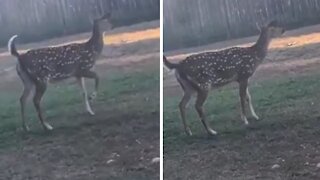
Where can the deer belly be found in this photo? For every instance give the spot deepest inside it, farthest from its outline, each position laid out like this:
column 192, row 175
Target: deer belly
column 86, row 66
column 221, row 81
column 58, row 77
column 60, row 74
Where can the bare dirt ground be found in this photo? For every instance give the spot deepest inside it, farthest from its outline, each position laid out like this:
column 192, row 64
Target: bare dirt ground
column 119, row 142
column 284, row 145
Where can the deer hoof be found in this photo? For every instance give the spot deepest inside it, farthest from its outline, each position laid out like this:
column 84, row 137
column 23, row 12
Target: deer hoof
column 212, row 132
column 188, row 131
column 47, row 126
column 245, row 120
column 90, row 112
column 255, row 116
column 26, row 128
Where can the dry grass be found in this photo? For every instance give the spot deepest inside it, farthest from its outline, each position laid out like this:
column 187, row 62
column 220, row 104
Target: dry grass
column 131, row 37
column 293, row 39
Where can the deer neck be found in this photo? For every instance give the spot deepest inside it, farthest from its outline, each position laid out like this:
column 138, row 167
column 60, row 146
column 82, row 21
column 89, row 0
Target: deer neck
column 261, row 46
column 96, row 40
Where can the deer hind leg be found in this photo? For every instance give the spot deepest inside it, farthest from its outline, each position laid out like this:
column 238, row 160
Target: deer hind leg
column 27, row 89
column 85, row 95
column 40, row 90
column 92, row 75
column 188, row 91
column 28, row 86
column 253, row 113
column 201, row 98
column 182, row 106
column 243, row 85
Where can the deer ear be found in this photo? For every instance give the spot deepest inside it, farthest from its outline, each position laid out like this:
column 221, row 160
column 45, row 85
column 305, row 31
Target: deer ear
column 258, row 27
column 272, row 23
column 107, row 15
column 92, row 18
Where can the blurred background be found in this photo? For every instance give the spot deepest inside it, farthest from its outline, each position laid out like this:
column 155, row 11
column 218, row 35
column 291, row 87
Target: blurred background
column 40, row 19
column 192, row 23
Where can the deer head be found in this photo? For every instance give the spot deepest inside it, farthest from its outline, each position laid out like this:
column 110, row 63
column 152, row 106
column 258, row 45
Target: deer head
column 104, row 21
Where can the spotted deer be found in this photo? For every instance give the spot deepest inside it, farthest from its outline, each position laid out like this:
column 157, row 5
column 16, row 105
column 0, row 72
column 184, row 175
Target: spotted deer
column 38, row 67
column 202, row 72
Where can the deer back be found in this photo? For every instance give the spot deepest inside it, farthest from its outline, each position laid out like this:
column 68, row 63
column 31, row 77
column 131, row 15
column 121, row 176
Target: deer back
column 212, row 69
column 56, row 63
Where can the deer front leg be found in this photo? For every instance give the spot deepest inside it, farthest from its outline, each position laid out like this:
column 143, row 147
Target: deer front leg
column 201, row 98
column 243, row 95
column 92, row 75
column 253, row 113
column 85, row 94
column 40, row 89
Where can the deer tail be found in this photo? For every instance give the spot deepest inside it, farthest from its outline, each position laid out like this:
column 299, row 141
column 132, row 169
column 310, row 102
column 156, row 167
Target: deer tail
column 169, row 64
column 12, row 47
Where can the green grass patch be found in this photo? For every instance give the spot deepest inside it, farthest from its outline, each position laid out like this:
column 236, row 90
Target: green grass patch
column 63, row 104
column 276, row 101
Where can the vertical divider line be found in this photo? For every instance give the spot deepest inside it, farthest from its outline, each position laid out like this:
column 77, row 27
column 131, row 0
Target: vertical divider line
column 161, row 89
